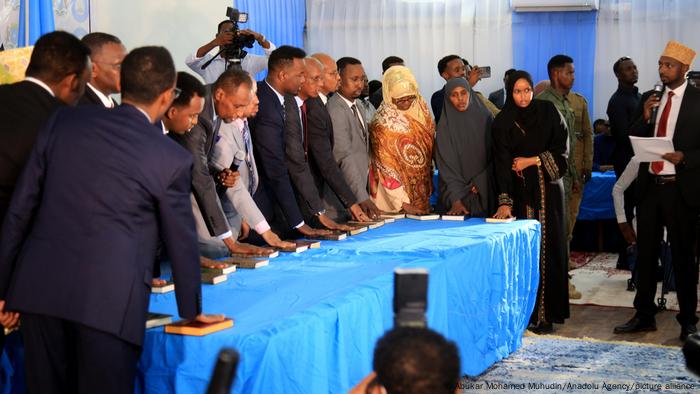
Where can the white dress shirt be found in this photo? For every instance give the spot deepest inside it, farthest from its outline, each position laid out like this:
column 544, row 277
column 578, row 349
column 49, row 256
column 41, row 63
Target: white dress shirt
column 623, row 182
column 670, row 169
column 106, row 100
column 350, row 104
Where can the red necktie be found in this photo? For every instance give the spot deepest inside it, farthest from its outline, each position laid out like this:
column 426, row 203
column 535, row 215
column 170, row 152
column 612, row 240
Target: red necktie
column 658, row 166
column 305, row 131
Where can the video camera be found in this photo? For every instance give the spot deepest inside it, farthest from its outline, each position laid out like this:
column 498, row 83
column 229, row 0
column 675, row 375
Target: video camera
column 234, row 51
column 410, row 297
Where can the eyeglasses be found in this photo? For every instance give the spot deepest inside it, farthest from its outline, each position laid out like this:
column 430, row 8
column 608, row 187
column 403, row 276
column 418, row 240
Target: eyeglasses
column 404, row 100
column 176, row 93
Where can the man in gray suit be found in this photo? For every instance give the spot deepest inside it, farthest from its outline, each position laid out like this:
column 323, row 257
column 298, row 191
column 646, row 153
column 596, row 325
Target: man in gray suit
column 351, row 139
column 225, row 100
column 234, row 150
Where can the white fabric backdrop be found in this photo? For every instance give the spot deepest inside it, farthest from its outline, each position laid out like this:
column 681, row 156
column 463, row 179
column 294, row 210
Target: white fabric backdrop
column 419, row 31
column 640, row 29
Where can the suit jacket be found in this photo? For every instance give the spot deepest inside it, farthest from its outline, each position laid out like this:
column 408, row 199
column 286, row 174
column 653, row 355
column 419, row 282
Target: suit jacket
column 90, row 98
column 498, row 98
column 200, row 142
column 81, row 233
column 686, row 138
column 350, row 145
column 268, row 130
column 235, row 200
column 24, row 108
column 324, row 168
column 307, row 193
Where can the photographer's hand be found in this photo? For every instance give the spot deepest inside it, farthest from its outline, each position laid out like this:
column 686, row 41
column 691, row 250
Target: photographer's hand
column 258, row 37
column 221, row 39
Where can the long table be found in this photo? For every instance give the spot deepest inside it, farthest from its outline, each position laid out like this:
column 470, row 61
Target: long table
column 308, row 322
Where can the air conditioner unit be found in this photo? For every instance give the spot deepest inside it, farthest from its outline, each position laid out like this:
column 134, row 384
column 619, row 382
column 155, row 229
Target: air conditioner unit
column 553, row 5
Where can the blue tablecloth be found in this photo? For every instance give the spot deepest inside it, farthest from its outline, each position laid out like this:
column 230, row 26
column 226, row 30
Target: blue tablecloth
column 597, row 202
column 308, row 323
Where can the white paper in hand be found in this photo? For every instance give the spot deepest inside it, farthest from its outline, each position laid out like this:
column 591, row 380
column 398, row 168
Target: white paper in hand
column 648, row 149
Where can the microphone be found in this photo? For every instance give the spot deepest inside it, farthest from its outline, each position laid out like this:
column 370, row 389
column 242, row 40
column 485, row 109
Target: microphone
column 658, row 91
column 224, row 372
column 238, row 159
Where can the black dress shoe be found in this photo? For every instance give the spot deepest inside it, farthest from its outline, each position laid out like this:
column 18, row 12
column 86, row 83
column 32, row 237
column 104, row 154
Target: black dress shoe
column 687, row 329
column 541, row 328
column 635, row 325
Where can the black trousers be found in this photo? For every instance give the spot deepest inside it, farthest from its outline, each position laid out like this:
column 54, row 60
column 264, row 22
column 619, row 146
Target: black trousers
column 67, row 357
column 663, row 205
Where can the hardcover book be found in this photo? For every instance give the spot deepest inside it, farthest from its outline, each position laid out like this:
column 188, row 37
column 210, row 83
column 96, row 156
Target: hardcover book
column 212, row 278
column 250, row 263
column 166, row 288
column 423, row 217
column 457, row 218
column 193, row 327
column 256, row 255
column 494, row 220
column 357, row 230
column 157, row 319
column 371, row 225
column 335, row 236
column 393, row 216
column 294, row 249
column 310, row 244
column 229, row 269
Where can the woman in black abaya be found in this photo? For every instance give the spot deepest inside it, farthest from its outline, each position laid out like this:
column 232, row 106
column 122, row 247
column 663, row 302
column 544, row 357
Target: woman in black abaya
column 530, row 151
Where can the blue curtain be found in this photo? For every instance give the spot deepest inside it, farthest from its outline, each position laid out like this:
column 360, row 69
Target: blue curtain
column 537, row 36
column 280, row 21
column 40, row 20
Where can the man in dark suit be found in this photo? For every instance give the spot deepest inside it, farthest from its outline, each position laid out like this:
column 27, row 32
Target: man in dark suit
column 275, row 196
column 113, row 185
column 498, row 98
column 224, row 101
column 324, row 169
column 297, row 148
column 106, row 54
column 669, row 192
column 56, row 75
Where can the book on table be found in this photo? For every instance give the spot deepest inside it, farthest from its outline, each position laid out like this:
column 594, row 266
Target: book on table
column 167, row 287
column 333, row 236
column 494, row 220
column 229, row 269
column 157, row 319
column 309, row 244
column 393, row 216
column 357, row 230
column 257, row 255
column 457, row 218
column 423, row 217
column 249, row 263
column 294, row 249
column 196, row 328
column 372, row 224
column 212, row 278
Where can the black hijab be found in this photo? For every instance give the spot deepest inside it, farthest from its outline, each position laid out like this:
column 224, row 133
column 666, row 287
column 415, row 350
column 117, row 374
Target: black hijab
column 524, row 117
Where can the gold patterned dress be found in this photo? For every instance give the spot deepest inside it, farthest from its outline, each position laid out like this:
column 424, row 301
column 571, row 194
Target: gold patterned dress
column 402, row 146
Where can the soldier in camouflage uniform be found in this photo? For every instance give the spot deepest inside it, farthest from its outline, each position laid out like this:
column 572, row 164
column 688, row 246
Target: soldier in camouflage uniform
column 574, row 109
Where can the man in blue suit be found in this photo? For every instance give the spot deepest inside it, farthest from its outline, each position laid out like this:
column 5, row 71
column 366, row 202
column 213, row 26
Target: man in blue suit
column 275, row 197
column 79, row 238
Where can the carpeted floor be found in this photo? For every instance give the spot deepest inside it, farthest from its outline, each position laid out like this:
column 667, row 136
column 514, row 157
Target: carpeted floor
column 556, row 364
column 600, row 283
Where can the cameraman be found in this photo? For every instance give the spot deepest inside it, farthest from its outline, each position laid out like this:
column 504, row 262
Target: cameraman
column 253, row 64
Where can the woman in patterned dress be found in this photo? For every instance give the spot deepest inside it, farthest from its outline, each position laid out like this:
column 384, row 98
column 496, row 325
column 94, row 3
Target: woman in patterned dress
column 401, row 134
